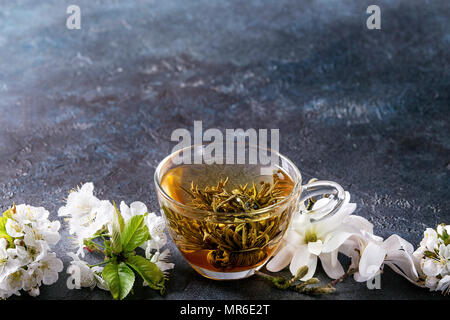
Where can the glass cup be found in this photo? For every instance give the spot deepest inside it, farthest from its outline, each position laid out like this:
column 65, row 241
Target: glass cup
column 227, row 246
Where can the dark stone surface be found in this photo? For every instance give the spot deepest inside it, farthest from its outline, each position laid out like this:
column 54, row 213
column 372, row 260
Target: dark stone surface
column 368, row 109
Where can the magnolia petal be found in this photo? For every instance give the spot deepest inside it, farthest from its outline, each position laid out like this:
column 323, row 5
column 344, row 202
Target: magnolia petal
column 331, row 223
column 359, row 278
column 281, row 259
column 402, row 263
column 301, row 258
column 334, row 240
column 294, row 239
column 395, row 242
column 371, row 260
column 315, row 247
column 321, row 208
column 349, row 249
column 359, row 223
column 300, row 222
column 331, row 265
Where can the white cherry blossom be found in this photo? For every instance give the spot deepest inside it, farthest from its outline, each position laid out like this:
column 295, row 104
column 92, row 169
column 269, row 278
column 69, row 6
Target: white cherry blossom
column 26, row 259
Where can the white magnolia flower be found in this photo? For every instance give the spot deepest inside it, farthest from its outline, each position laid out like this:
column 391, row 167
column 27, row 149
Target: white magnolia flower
column 366, row 252
column 307, row 240
column 369, row 254
column 399, row 257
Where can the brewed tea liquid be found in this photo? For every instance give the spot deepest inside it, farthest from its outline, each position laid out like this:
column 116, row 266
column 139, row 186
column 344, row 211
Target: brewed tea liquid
column 229, row 246
column 181, row 177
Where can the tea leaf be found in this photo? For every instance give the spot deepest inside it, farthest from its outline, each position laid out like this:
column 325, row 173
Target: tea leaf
column 244, row 241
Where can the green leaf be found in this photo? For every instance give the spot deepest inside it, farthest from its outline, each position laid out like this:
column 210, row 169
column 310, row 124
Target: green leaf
column 148, row 271
column 9, row 213
column 119, row 217
column 120, row 279
column 134, row 234
column 108, row 251
column 3, row 233
column 429, row 254
column 3, row 223
column 116, row 239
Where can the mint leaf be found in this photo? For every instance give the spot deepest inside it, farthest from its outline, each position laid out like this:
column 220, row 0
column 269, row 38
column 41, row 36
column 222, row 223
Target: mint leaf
column 134, row 234
column 120, row 279
column 148, row 271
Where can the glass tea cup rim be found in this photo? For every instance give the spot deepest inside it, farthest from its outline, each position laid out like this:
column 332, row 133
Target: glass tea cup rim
column 293, row 193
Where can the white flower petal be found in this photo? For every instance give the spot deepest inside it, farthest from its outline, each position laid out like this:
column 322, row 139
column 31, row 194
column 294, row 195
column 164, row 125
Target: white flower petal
column 331, row 265
column 315, row 247
column 395, row 242
column 138, row 208
column 14, row 228
column 431, row 267
column 301, row 258
column 50, row 277
column 444, row 284
column 371, row 260
column 281, row 260
column 335, row 239
column 359, row 223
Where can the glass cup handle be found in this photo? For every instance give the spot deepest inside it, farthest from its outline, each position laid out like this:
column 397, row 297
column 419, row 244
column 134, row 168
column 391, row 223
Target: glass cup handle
column 336, row 196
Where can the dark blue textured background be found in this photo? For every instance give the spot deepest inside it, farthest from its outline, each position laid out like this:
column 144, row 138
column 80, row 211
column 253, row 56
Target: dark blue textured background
column 366, row 108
